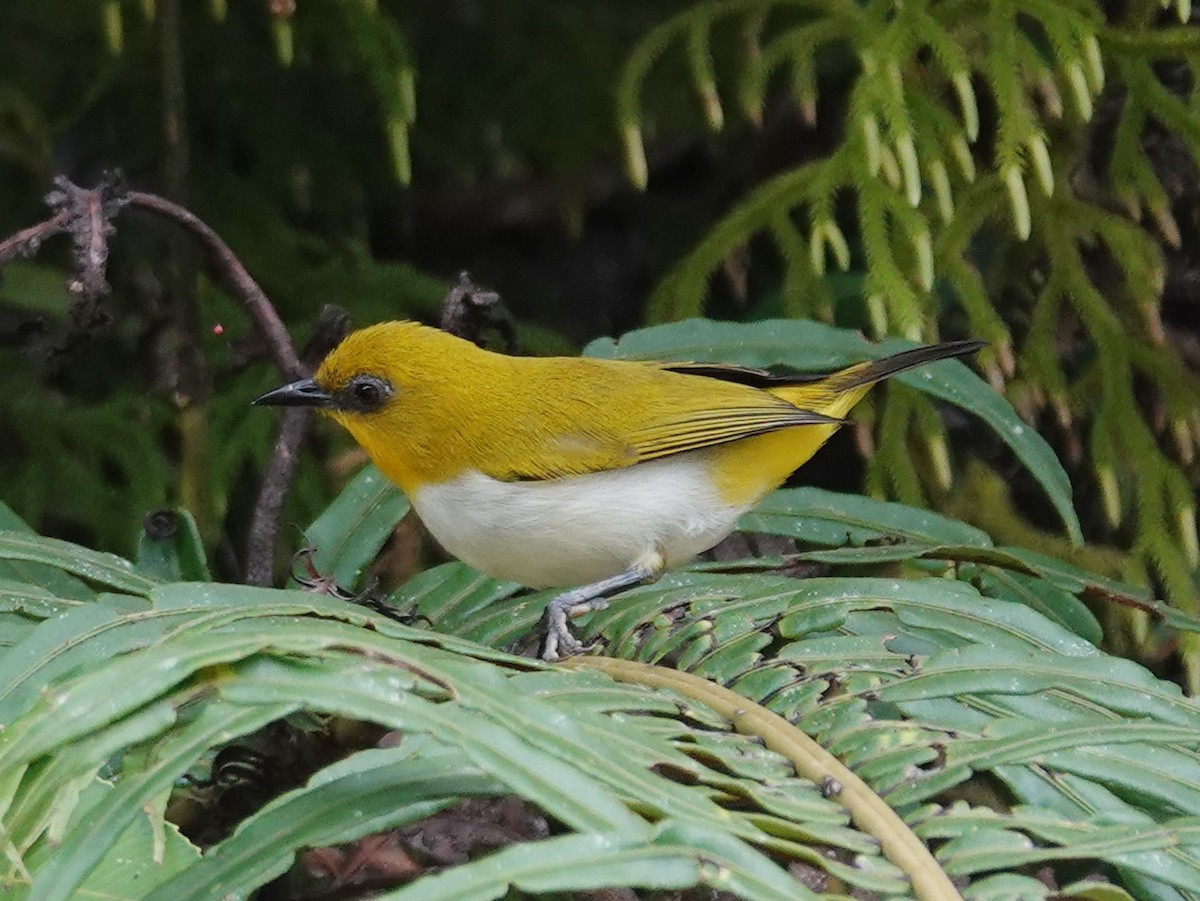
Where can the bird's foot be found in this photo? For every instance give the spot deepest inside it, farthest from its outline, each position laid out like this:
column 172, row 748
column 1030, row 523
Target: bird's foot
column 588, row 599
column 560, row 642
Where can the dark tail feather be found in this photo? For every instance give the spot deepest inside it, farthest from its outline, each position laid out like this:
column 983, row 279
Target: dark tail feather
column 847, row 378
column 867, row 373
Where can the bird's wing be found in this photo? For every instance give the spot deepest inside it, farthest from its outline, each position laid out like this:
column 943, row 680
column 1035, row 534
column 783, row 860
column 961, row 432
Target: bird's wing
column 704, row 428
column 680, row 410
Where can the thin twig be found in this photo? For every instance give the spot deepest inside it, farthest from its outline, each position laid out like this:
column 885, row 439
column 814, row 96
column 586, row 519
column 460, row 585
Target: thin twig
column 28, row 241
column 468, row 311
column 90, row 214
column 332, row 325
column 92, row 245
column 277, row 480
column 260, row 308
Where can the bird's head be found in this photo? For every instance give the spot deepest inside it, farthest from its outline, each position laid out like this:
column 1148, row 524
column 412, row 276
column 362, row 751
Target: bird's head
column 385, row 383
column 361, row 376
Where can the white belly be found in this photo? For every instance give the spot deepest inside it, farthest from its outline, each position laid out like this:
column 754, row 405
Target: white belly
column 578, row 529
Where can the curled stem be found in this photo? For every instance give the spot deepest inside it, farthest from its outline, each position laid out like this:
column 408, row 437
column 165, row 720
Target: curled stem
column 869, row 812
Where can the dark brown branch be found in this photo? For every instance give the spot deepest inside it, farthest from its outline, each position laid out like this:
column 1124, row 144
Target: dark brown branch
column 277, row 480
column 332, row 325
column 28, row 241
column 92, row 246
column 468, row 312
column 90, row 212
column 293, row 426
column 86, row 213
column 260, row 308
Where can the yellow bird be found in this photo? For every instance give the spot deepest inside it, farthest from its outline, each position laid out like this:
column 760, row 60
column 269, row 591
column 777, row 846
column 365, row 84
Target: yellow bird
column 563, row 471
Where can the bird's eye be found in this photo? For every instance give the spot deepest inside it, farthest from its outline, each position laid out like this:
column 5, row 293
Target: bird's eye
column 367, row 393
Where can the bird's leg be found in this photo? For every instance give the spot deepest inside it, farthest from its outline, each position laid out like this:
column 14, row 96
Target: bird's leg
column 588, row 599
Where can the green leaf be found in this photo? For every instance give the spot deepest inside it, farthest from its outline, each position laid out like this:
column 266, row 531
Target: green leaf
column 1048, row 599
column 512, row 755
column 350, row 532
column 23, row 606
column 98, row 568
column 677, row 855
column 1087, row 890
column 451, row 594
column 47, row 792
column 170, row 547
column 1121, row 686
column 46, row 576
column 829, row 518
column 84, row 848
column 10, row 522
column 1008, row 887
column 28, row 668
column 383, row 789
column 922, row 685
column 144, row 855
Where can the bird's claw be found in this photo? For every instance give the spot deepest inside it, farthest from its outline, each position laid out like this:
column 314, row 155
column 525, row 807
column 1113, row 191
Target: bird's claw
column 560, row 642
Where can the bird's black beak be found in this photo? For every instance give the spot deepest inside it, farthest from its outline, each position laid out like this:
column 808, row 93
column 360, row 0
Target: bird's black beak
column 304, row 393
